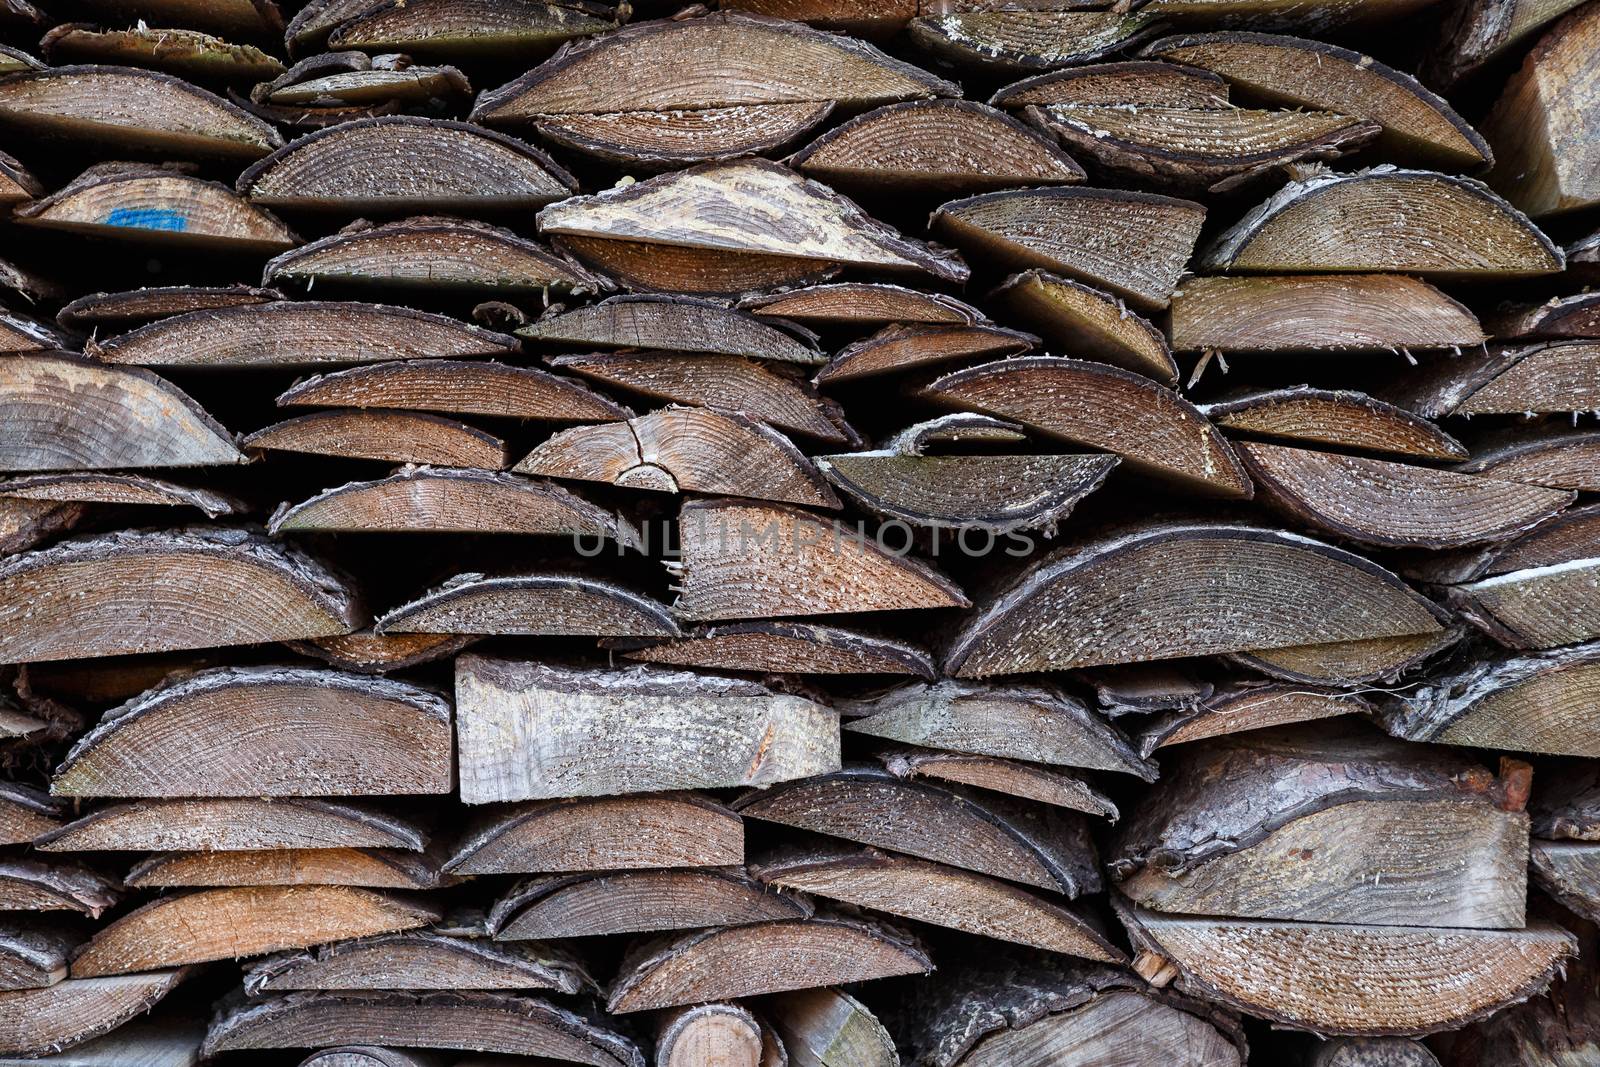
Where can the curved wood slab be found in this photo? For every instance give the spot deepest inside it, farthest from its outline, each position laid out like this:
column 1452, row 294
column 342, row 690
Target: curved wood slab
column 456, row 387
column 376, row 868
column 231, row 824
column 418, row 959
column 539, row 604
column 789, row 648
column 1084, row 320
column 660, row 140
column 42, row 1022
column 1044, row 785
column 589, row 905
column 866, row 303
column 190, row 588
column 332, row 734
column 393, row 436
column 1130, row 598
column 89, row 487
column 1340, row 418
column 899, row 348
column 681, row 324
column 29, row 885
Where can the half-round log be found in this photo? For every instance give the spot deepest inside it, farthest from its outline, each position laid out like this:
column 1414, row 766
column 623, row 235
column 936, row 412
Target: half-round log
column 1007, row 40
column 730, row 962
column 788, row 648
column 376, row 868
column 1386, row 219
column 392, row 436
column 470, row 29
column 163, row 591
column 898, row 348
column 418, row 959
column 1085, row 321
column 405, row 164
column 332, row 734
column 1044, row 785
column 42, row 1022
column 1558, row 460
column 26, row 812
column 134, row 306
column 1134, row 82
column 90, row 487
column 132, row 109
column 538, row 604
column 456, row 387
column 231, row 825
column 1154, row 430
column 603, row 834
column 1247, row 707
column 1132, row 597
column 187, row 53
column 723, row 1034
column 375, row 653
column 590, row 905
column 659, row 140
column 219, row 924
column 65, row 412
column 447, row 500
column 299, row 333
column 1352, row 663
column 29, row 885
column 1341, row 418
column 865, row 303
column 674, row 324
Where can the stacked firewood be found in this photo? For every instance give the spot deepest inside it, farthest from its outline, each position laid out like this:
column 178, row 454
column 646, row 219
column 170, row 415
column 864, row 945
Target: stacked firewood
column 963, row 533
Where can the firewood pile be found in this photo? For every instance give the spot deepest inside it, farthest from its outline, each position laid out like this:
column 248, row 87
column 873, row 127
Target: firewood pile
column 971, row 533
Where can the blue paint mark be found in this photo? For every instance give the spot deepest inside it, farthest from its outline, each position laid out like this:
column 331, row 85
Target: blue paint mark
column 147, row 218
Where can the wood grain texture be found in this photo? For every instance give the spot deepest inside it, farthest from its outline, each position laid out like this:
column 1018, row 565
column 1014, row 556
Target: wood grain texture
column 538, row 604
column 39, row 1022
column 1245, row 707
column 1535, row 607
column 899, row 348
column 471, row 29
column 1340, row 418
column 660, row 140
column 377, row 868
column 332, row 734
column 531, row 731
column 589, row 905
column 418, row 959
column 1136, row 82
column 788, row 647
column 63, row 412
column 830, row 1028
column 217, row 924
column 674, row 324
column 866, row 303
column 602, row 834
column 712, row 1035
column 1088, row 322
column 373, row 653
column 230, row 825
column 457, row 387
column 33, row 952
column 189, row 588
column 157, row 302
column 1282, row 590
column 1043, row 785
column 133, row 1044
column 93, row 487
column 32, row 885
column 26, row 812
column 392, row 436
column 1004, row 40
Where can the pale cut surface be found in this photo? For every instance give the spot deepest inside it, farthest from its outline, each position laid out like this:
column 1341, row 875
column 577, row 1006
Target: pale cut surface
column 790, row 647
column 448, row 500
column 456, row 387
column 830, row 1028
column 471, row 29
column 231, row 824
column 1119, row 1028
column 393, row 436
column 418, row 959
column 1351, row 662
column 660, row 139
column 377, row 868
column 710, row 1035
column 1340, row 418
column 586, row 905
column 1131, row 598
column 537, row 604
column 672, row 324
column 1531, row 703
column 1022, row 40
column 1537, row 607
column 35, row 1021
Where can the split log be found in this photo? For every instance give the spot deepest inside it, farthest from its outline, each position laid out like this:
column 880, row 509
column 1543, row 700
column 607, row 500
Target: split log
column 1576, row 316
column 1247, row 707
column 218, row 924
column 1134, row 244
column 33, row 955
column 1386, row 219
column 729, row 207
column 1558, row 377
column 603, row 834
column 1345, row 979
column 418, row 959
column 1367, row 15
column 724, row 1035
column 91, row 487
column 1535, row 607
column 1574, row 534
column 231, row 825
column 1318, row 313
column 17, row 184
column 732, row 383
column 1077, row 317
column 158, row 206
column 377, row 868
column 940, row 895
column 989, row 834
column 432, row 254
column 481, row 1022
column 1396, row 505
column 92, row 596
column 898, row 348
column 787, row 648
column 957, row 428
column 1478, row 33
column 1218, row 149
column 1370, row 1052
column 846, row 16
column 1552, row 165
column 660, row 140
column 655, row 267
column 684, row 450
column 1558, row 460
column 186, row 53
column 40, row 1022
column 1352, row 663
column 1311, row 825
column 375, row 653
column 33, row 886
column 1026, row 722
column 242, row 18
column 740, row 560
column 537, row 604
column 26, row 812
column 1137, row 83
column 23, row 333
column 1417, row 125
column 1340, row 418
column 1141, row 688
column 1281, row 590
column 862, row 303
column 170, row 1043
column 935, row 146
column 730, row 962
column 1041, row 1010
column 469, row 29
column 332, row 86
column 995, row 494
column 392, row 436
column 14, row 59
column 830, row 1028
column 445, row 500
column 1151, row 428
column 531, row 731
column 1006, row 38
column 332, row 734
column 132, row 109
column 721, row 60
column 144, row 305
column 456, row 387
column 403, row 164
column 1044, row 785
column 299, row 333
column 591, row 905
column 134, row 420
column 1569, row 871
column 1531, row 703
column 673, row 324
